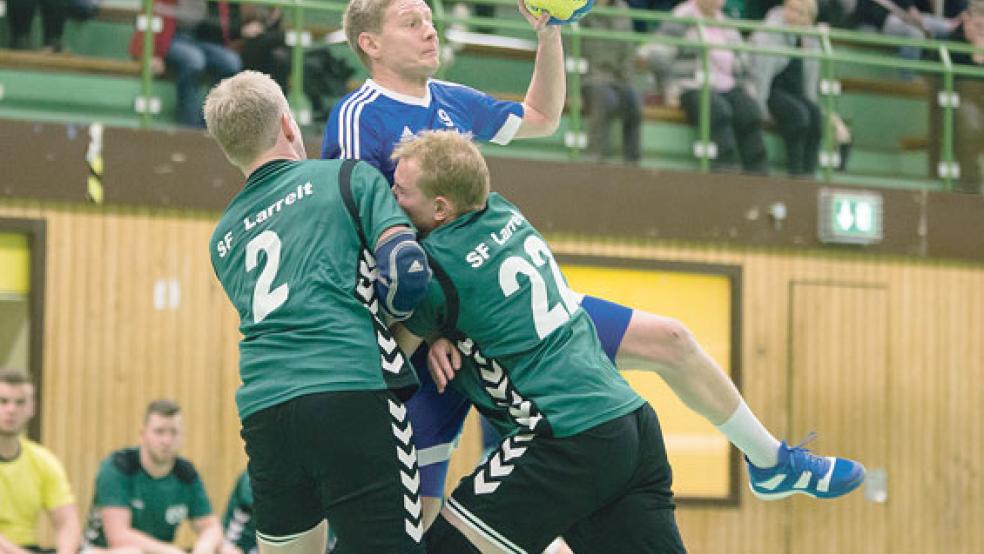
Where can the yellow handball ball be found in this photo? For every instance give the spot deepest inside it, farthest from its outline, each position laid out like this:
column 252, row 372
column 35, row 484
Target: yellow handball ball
column 562, row 12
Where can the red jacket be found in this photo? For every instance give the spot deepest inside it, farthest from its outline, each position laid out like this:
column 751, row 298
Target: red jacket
column 162, row 40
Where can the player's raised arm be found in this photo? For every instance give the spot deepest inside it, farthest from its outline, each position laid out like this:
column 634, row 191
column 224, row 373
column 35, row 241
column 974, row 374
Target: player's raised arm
column 544, row 101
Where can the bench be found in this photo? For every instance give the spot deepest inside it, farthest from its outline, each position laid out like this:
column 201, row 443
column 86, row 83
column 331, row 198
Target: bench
column 21, row 59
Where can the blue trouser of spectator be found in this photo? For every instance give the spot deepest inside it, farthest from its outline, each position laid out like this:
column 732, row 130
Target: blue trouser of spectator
column 189, row 58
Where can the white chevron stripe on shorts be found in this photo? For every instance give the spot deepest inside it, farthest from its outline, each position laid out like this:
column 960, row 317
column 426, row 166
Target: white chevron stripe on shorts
column 483, row 528
column 413, row 523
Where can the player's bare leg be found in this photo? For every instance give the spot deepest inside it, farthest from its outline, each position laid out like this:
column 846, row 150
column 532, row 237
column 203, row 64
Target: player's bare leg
column 666, row 346
column 431, row 509
column 312, row 541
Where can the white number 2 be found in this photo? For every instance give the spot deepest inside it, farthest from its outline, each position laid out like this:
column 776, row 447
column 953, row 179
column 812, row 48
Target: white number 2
column 546, row 318
column 265, row 300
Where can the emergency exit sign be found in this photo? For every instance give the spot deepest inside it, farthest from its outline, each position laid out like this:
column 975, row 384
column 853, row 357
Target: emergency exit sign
column 849, row 217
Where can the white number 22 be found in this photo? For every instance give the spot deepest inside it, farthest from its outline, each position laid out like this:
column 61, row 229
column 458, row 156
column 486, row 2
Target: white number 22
column 265, row 300
column 546, row 318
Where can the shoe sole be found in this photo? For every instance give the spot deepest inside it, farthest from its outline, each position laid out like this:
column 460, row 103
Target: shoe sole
column 780, row 495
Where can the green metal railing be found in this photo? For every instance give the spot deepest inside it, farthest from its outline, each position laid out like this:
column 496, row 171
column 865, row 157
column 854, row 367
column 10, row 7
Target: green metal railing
column 827, row 55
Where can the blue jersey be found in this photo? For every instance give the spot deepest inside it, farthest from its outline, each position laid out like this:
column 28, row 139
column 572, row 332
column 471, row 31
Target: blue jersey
column 369, row 122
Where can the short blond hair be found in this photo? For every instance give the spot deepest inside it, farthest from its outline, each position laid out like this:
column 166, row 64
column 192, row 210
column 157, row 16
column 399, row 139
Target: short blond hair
column 363, row 16
column 450, row 166
column 243, row 114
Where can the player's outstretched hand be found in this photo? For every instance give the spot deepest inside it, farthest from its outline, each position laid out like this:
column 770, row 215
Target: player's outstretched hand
column 443, row 360
column 538, row 24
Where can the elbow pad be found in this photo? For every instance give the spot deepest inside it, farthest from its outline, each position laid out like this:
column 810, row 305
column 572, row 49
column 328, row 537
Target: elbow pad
column 403, row 274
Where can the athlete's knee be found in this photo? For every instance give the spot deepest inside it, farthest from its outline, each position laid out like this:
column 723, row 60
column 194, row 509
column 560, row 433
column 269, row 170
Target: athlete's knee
column 664, row 341
column 442, row 537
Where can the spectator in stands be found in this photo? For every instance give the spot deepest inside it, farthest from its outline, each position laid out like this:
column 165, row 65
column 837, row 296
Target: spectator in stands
column 263, row 46
column 736, row 120
column 902, row 18
column 143, row 493
column 968, row 143
column 189, row 46
column 642, row 26
column 240, row 529
column 786, row 87
column 32, row 480
column 54, row 13
column 608, row 90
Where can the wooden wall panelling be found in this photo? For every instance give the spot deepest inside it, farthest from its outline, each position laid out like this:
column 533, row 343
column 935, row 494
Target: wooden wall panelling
column 838, row 375
column 108, row 351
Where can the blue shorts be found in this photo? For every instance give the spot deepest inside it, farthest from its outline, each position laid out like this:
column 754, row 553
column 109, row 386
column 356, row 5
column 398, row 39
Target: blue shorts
column 437, row 419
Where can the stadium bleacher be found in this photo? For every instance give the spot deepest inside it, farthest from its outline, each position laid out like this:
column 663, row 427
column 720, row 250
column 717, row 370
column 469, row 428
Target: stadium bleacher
column 95, row 80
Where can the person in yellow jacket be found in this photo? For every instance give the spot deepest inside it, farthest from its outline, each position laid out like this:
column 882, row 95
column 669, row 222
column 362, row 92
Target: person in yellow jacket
column 32, row 480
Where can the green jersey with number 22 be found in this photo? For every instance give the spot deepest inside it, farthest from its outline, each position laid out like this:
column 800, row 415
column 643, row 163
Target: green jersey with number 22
column 499, row 293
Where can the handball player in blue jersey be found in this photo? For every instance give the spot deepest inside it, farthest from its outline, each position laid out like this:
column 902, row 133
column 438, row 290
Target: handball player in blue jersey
column 397, row 42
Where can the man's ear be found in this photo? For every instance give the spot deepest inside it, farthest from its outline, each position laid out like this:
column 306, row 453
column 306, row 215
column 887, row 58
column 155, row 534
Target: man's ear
column 286, row 127
column 444, row 209
column 369, row 44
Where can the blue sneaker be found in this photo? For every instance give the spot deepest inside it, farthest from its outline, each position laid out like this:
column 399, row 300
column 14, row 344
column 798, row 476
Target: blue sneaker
column 800, row 471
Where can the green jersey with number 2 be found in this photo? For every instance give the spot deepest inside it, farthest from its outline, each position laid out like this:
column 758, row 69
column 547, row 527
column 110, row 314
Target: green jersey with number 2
column 499, row 293
column 289, row 255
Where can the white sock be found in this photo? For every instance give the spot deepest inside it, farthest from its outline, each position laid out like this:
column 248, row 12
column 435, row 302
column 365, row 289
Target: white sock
column 747, row 433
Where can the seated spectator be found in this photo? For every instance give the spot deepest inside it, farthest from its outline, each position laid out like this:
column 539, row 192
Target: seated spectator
column 240, row 529
column 143, row 494
column 32, row 480
column 263, row 46
column 188, row 48
column 641, row 25
column 608, row 90
column 968, row 132
column 902, row 18
column 787, row 87
column 736, row 120
column 54, row 13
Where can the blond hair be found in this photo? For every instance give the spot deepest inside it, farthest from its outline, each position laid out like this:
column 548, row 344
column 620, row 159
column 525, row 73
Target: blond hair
column 243, row 114
column 450, row 166
column 363, row 16
column 810, row 6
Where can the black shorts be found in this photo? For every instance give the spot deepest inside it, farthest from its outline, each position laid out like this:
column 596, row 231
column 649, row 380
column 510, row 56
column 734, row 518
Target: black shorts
column 345, row 456
column 604, row 490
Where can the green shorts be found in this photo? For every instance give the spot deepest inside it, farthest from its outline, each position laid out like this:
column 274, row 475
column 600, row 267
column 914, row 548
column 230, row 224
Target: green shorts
column 343, row 456
column 604, row 490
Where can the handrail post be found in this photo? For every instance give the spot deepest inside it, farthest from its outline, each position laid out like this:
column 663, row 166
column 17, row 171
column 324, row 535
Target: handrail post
column 440, row 26
column 829, row 107
column 574, row 93
column 298, row 101
column 146, row 66
column 947, row 168
column 704, row 117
